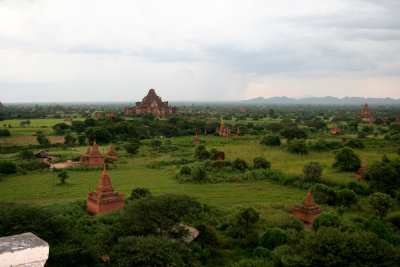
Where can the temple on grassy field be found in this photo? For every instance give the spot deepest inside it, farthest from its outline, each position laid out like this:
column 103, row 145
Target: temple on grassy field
column 196, row 139
column 152, row 104
column 93, row 157
column 308, row 210
column 224, row 132
column 335, row 129
column 104, row 199
column 366, row 115
column 111, row 153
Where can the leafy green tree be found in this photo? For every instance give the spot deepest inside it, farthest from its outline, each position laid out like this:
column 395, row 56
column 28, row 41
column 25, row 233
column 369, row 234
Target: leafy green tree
column 382, row 177
column 81, row 140
column 69, row 139
column 312, row 171
column 63, row 175
column 151, row 251
column 155, row 144
column 331, row 247
column 261, row 163
column 139, row 192
column 132, row 148
column 271, row 140
column 100, row 134
column 273, row 237
column 327, row 219
column 185, row 170
column 293, row 132
column 208, row 236
column 199, row 174
column 5, row 132
column 246, row 218
column 42, row 140
column 380, row 204
column 239, row 164
column 163, row 212
column 8, row 167
column 27, row 154
column 347, row 160
column 298, row 146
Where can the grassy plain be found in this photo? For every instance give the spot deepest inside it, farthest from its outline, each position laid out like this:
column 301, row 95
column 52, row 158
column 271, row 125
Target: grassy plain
column 132, row 171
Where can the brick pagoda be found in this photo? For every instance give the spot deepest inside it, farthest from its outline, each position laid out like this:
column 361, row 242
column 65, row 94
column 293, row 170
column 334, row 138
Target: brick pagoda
column 335, row 129
column 152, row 104
column 308, row 210
column 224, row 132
column 237, row 132
column 111, row 153
column 93, row 157
column 196, row 139
column 366, row 115
column 104, row 199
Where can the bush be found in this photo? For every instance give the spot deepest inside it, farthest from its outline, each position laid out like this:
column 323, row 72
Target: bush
column 298, row 147
column 379, row 227
column 347, row 160
column 132, row 148
column 324, row 194
column 27, row 154
column 312, row 171
column 81, row 139
column 7, row 167
column 63, row 175
column 239, row 164
column 199, row 174
column 261, row 163
column 273, row 237
column 359, row 189
column 34, row 165
column 394, row 218
column 327, row 219
column 208, row 236
column 382, row 177
column 355, row 143
column 263, row 253
column 139, row 192
column 346, row 197
column 201, row 152
column 379, row 203
column 5, row 132
column 185, row 170
column 293, row 132
column 271, row 140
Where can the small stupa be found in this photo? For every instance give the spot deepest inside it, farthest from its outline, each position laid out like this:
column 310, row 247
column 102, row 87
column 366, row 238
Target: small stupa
column 196, row 140
column 237, row 132
column 361, row 170
column 308, row 210
column 205, row 132
column 93, row 157
column 335, row 129
column 104, row 199
column 111, row 153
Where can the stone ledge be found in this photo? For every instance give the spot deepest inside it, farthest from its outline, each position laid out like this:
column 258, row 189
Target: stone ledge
column 23, row 250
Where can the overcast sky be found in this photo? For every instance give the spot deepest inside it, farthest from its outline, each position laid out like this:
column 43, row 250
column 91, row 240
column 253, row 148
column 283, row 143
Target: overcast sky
column 197, row 50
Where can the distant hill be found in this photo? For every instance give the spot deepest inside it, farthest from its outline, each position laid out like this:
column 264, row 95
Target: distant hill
column 327, row 100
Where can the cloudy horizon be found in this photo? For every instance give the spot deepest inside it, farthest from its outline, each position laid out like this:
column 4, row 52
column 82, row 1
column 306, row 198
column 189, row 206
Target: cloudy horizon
column 63, row 51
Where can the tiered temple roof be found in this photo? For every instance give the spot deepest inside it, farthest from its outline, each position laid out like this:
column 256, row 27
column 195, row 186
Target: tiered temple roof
column 224, row 132
column 366, row 115
column 104, row 199
column 93, row 157
column 308, row 210
column 335, row 129
column 152, row 104
column 111, row 153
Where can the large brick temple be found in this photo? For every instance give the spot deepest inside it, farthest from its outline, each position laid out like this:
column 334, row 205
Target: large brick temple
column 152, row 104
column 366, row 115
column 104, row 199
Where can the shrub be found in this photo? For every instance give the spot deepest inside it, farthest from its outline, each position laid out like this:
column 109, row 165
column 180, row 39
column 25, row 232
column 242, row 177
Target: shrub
column 139, row 192
column 81, row 139
column 347, row 160
column 324, row 194
column 7, row 167
column 63, row 175
column 312, row 171
column 261, row 163
column 298, row 147
column 220, row 164
column 263, row 253
column 379, row 203
column 293, row 132
column 378, row 227
column 5, row 132
column 246, row 218
column 208, row 236
column 239, row 164
column 359, row 189
column 273, row 237
column 199, row 174
column 355, row 143
column 27, row 154
column 394, row 218
column 34, row 165
column 271, row 140
column 213, row 153
column 327, row 219
column 69, row 139
column 201, row 152
column 185, row 170
column 346, row 197
column 382, row 176
column 132, row 148
column 156, row 143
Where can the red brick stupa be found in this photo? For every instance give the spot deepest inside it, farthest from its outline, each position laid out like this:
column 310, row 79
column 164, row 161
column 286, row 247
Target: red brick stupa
column 111, row 153
column 308, row 210
column 104, row 199
column 196, row 140
column 360, row 171
column 335, row 129
column 93, row 157
column 224, row 132
column 237, row 132
column 366, row 115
